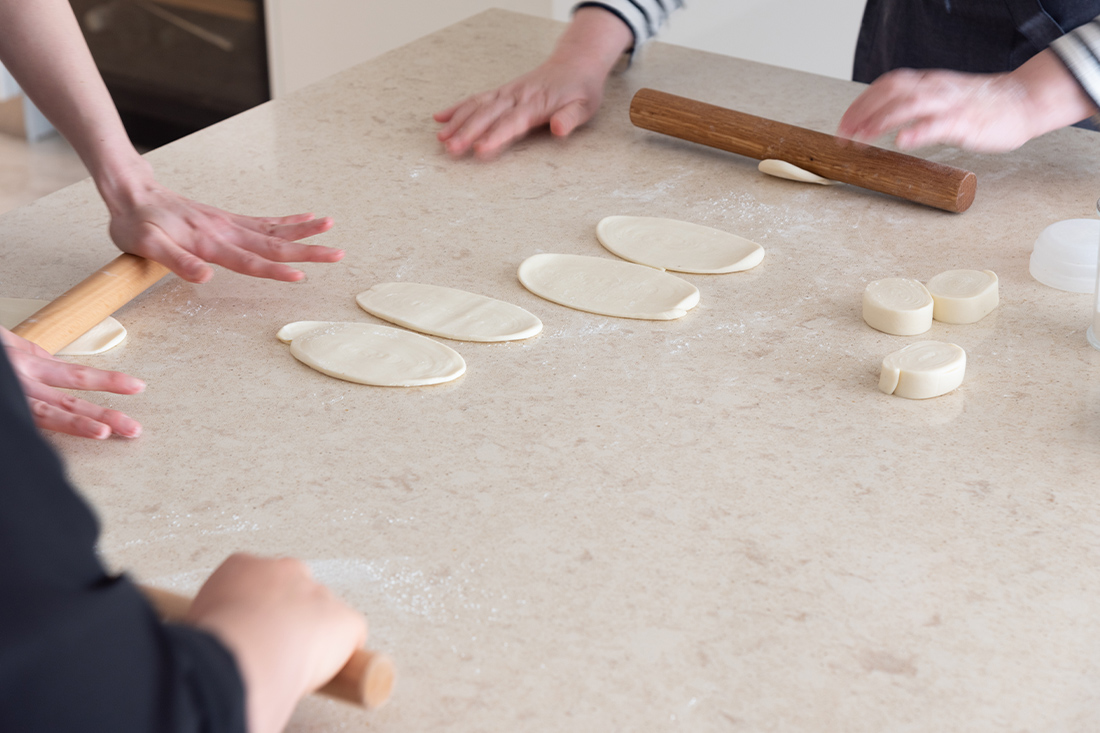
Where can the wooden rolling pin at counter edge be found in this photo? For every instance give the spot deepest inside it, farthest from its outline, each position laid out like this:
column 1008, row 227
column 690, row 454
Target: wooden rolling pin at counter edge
column 99, row 295
column 366, row 680
column 885, row 171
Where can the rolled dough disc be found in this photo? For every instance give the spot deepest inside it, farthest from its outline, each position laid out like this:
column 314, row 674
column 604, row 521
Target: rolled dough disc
column 898, row 305
column 783, row 169
column 105, row 335
column 963, row 296
column 368, row 354
column 923, row 370
column 608, row 287
column 447, row 312
column 677, row 245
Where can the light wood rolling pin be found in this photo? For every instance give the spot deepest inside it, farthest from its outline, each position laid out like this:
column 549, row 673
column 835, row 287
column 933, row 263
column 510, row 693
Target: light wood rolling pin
column 885, row 171
column 366, row 680
column 99, row 295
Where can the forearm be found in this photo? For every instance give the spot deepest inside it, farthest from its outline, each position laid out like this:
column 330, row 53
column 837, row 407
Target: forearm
column 1054, row 97
column 595, row 40
column 1077, row 55
column 42, row 46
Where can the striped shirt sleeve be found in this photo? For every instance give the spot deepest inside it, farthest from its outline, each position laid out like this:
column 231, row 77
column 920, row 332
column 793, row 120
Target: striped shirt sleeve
column 644, row 18
column 1079, row 50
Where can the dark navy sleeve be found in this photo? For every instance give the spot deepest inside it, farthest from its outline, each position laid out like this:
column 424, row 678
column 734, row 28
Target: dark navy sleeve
column 82, row 650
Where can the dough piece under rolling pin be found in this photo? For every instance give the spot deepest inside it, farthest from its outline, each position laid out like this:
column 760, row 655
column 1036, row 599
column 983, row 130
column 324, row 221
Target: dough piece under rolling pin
column 898, row 305
column 963, row 296
column 105, row 335
column 783, row 169
column 923, row 370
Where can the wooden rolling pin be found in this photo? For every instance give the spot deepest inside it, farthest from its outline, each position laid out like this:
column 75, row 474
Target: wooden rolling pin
column 885, row 171
column 366, row 680
column 99, row 295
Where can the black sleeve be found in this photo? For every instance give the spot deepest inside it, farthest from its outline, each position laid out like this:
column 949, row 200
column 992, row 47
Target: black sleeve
column 81, row 650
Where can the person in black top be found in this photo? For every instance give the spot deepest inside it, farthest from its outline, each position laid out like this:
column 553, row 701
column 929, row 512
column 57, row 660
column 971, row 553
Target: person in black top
column 82, row 650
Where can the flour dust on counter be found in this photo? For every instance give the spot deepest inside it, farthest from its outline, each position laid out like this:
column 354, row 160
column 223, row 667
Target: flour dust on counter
column 103, row 336
column 608, row 287
column 682, row 246
column 365, row 353
column 448, row 312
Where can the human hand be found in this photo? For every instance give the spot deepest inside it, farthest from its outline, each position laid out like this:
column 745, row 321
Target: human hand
column 183, row 235
column 564, row 95
column 289, row 634
column 40, row 373
column 979, row 112
column 565, row 91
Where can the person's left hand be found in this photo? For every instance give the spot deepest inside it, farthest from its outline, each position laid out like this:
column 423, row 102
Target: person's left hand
column 39, row 374
column 183, row 235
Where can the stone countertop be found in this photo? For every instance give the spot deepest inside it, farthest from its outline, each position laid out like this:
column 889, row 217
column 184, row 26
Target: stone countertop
column 716, row 523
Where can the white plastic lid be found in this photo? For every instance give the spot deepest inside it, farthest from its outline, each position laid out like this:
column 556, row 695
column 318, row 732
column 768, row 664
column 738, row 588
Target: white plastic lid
column 1066, row 254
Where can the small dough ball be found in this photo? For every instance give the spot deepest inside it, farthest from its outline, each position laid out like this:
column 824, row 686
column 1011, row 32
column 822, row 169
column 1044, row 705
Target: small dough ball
column 898, row 305
column 923, row 370
column 783, row 169
column 963, row 296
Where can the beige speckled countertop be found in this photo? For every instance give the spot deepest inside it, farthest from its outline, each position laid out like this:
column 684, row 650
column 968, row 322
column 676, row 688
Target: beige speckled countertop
column 712, row 524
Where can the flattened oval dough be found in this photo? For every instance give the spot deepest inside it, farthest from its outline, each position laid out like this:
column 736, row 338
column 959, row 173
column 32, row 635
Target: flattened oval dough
column 447, row 312
column 608, row 287
column 368, row 354
column 783, row 169
column 963, row 296
column 898, row 305
column 677, row 245
column 105, row 335
column 923, row 370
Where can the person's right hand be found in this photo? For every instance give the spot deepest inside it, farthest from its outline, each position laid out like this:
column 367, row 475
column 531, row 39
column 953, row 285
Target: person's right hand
column 289, row 634
column 41, row 375
column 564, row 91
column 565, row 95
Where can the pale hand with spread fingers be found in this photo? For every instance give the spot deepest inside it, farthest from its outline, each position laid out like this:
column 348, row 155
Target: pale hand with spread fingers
column 565, row 91
column 980, row 112
column 183, row 235
column 43, row 376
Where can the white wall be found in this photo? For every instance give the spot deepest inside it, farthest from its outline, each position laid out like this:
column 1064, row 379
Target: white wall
column 311, row 39
column 817, row 36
